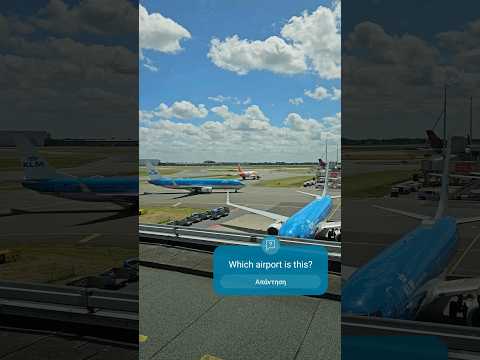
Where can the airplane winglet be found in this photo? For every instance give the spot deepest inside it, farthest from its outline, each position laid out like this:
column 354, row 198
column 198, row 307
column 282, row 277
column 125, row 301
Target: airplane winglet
column 404, row 213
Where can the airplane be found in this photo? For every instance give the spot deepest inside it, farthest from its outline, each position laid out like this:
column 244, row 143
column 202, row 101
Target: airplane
column 434, row 141
column 436, row 144
column 245, row 174
column 43, row 178
column 410, row 274
column 195, row 186
column 306, row 223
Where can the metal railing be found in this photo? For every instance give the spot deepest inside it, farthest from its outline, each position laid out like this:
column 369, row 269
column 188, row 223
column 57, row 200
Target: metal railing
column 64, row 303
column 459, row 338
column 150, row 233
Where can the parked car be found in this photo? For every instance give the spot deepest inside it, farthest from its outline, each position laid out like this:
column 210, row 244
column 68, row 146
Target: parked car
column 195, row 218
column 131, row 263
column 395, row 192
column 182, row 222
column 204, row 215
column 428, row 195
column 226, row 210
column 215, row 214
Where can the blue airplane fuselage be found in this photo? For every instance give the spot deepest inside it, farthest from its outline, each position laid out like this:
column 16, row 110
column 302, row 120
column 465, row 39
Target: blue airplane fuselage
column 186, row 183
column 304, row 223
column 392, row 284
column 115, row 189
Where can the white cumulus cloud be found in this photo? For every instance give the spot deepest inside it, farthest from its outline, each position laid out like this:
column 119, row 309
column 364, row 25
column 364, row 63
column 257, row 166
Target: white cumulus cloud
column 321, row 93
column 181, row 110
column 317, row 35
column 310, row 41
column 230, row 99
column 252, row 119
column 233, row 136
column 242, row 55
column 159, row 33
column 296, row 101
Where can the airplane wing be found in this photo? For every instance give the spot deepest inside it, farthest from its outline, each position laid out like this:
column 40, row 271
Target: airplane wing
column 404, row 213
column 331, row 225
column 468, row 220
column 319, row 196
column 306, row 193
column 267, row 214
column 456, row 287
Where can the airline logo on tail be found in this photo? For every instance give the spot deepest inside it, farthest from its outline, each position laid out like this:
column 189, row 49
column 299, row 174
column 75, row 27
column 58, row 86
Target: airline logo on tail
column 434, row 140
column 151, row 170
column 33, row 162
column 322, row 163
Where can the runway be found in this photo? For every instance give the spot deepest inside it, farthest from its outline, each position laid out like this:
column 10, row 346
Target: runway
column 60, row 239
column 283, row 201
column 27, row 216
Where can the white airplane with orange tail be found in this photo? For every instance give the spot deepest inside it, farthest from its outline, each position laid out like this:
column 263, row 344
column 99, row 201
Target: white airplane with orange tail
column 245, row 174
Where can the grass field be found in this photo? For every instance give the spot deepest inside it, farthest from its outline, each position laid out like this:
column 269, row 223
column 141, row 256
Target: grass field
column 10, row 185
column 373, row 184
column 294, row 181
column 165, row 214
column 60, row 264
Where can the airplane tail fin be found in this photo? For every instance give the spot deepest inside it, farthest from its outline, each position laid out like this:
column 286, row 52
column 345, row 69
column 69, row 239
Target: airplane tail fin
column 325, row 185
column 239, row 168
column 434, row 140
column 442, row 204
column 34, row 166
column 152, row 172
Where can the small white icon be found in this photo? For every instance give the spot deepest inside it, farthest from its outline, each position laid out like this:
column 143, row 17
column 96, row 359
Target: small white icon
column 270, row 245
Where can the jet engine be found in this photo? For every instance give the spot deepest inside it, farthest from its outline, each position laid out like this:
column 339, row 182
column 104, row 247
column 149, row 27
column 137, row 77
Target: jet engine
column 274, row 228
column 206, row 189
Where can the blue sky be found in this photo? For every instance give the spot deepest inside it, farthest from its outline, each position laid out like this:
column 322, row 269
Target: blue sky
column 270, row 84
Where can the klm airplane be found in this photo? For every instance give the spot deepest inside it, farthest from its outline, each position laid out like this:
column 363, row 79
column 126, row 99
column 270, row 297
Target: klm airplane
column 305, row 223
column 410, row 274
column 195, row 186
column 41, row 177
